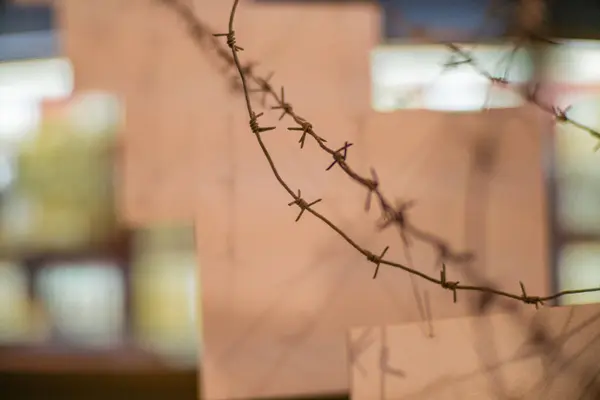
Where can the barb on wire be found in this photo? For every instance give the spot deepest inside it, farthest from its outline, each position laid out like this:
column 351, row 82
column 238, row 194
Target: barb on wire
column 339, row 156
column 231, row 42
column 446, row 284
column 264, row 87
column 535, row 300
column 285, row 107
column 305, row 127
column 377, row 260
column 302, row 204
column 372, row 185
column 391, row 215
column 397, row 216
column 561, row 114
column 256, row 129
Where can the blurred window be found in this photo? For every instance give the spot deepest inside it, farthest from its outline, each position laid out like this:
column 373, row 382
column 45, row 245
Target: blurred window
column 14, row 303
column 416, row 77
column 574, row 68
column 165, row 285
column 84, row 301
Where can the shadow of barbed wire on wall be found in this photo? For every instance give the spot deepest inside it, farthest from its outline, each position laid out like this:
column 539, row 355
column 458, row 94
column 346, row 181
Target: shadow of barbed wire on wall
column 218, row 55
column 396, row 214
column 536, row 345
column 556, row 363
column 310, row 323
column 480, row 175
column 483, row 158
column 328, row 254
column 393, row 213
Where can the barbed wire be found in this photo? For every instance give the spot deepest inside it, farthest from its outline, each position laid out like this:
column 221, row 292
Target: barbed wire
column 531, row 95
column 392, row 214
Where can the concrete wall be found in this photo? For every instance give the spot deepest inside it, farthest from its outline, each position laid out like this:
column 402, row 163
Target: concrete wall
column 279, row 296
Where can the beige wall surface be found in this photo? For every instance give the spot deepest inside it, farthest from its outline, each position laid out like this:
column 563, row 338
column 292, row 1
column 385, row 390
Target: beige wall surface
column 178, row 108
column 278, row 296
column 142, row 52
column 549, row 354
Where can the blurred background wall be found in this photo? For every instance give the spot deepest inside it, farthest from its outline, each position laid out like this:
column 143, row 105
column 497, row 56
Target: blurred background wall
column 113, row 121
column 90, row 307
